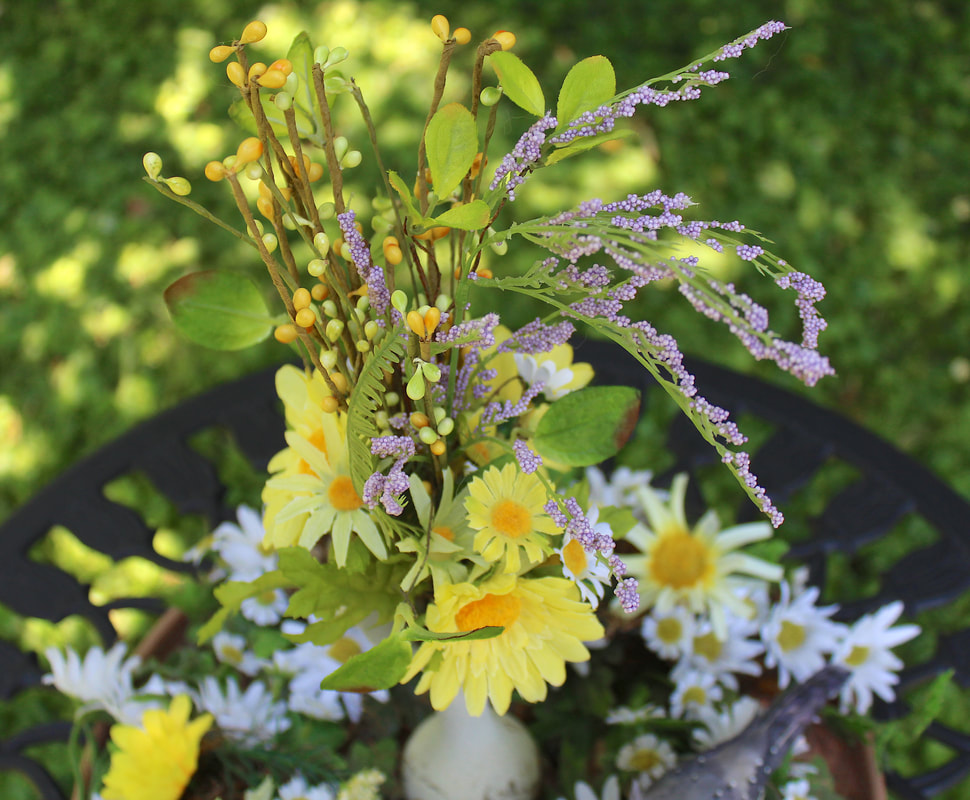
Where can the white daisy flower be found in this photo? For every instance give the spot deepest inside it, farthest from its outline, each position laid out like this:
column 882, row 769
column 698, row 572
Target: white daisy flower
column 623, row 715
column 611, row 790
column 299, row 789
column 798, row 635
column 265, row 609
column 250, row 718
column 589, row 573
column 619, row 490
column 364, row 785
column 694, row 690
column 555, row 381
column 797, row 790
column 100, row 680
column 720, row 726
column 699, row 567
column 648, row 756
column 865, row 652
column 241, row 546
column 669, row 635
column 724, row 658
column 231, row 649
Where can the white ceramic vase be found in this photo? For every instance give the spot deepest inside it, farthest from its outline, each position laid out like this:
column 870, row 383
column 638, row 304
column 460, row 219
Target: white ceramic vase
column 454, row 756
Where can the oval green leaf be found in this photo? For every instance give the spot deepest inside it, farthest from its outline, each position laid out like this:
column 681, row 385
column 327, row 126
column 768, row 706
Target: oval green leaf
column 519, row 83
column 587, row 427
column 381, row 667
column 451, row 143
column 219, row 309
column 589, row 84
column 471, row 216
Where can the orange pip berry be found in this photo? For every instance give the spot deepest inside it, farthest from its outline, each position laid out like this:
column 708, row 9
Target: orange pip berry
column 438, row 448
column 431, row 319
column 220, row 53
column 284, row 65
column 319, row 292
column 305, row 318
column 301, row 298
column 253, row 32
column 272, row 79
column 214, row 171
column 462, row 35
column 315, row 172
column 504, row 38
column 416, row 324
column 249, row 150
column 285, row 334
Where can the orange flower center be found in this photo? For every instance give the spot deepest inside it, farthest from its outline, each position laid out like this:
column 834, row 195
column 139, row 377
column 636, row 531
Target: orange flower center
column 493, row 609
column 444, row 531
column 319, row 440
column 680, row 560
column 574, row 557
column 344, row 649
column 511, row 519
column 342, row 495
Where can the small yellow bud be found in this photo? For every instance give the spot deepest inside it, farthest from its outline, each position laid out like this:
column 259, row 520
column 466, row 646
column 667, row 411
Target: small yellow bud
column 236, row 73
column 462, row 35
column 329, row 404
column 253, row 32
column 214, row 171
column 256, row 70
column 438, row 448
column 272, row 79
column 319, row 292
column 179, row 186
column 285, row 334
column 419, row 420
column 301, row 298
column 316, row 267
column 334, row 329
column 392, row 251
column 440, row 26
column 370, row 330
column 504, row 38
column 152, row 162
column 305, row 318
column 265, row 207
column 431, row 319
column 220, row 53
column 362, row 345
column 270, row 242
column 416, row 324
column 339, row 381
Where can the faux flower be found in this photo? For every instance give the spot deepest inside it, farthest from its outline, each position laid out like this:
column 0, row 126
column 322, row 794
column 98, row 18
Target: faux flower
column 298, row 789
column 647, row 755
column 555, row 370
column 620, row 488
column 726, row 723
column 155, row 760
column 100, row 680
column 865, row 652
column 698, row 567
column 726, row 657
column 797, row 790
column 231, row 649
column 266, row 608
column 365, row 785
column 240, row 546
column 251, row 717
column 694, row 690
column 798, row 635
column 545, row 624
column 669, row 635
column 505, row 506
column 611, row 790
column 589, row 573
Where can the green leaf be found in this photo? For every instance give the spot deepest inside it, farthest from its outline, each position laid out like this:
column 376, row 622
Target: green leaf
column 300, row 56
column 588, row 426
column 519, row 83
column 381, row 667
column 451, row 143
column 419, row 634
column 399, row 186
column 582, row 145
column 231, row 595
column 471, row 216
column 589, row 84
column 219, row 309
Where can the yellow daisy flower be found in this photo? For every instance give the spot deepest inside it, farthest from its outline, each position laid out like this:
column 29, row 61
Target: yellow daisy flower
column 697, row 567
column 506, row 508
column 157, row 760
column 311, row 494
column 545, row 624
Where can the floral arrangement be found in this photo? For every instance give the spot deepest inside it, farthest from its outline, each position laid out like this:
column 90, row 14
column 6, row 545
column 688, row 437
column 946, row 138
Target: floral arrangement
column 437, row 515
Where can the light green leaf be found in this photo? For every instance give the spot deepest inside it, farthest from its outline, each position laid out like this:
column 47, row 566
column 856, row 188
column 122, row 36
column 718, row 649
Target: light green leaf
column 419, row 634
column 381, row 667
column 588, row 426
column 219, row 309
column 519, row 83
column 451, row 143
column 231, row 595
column 589, row 84
column 399, row 186
column 582, row 145
column 471, row 216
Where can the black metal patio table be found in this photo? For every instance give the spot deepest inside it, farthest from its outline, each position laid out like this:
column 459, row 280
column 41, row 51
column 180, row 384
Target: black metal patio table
column 886, row 489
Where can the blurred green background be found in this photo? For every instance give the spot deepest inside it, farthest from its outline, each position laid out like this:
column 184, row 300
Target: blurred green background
column 843, row 140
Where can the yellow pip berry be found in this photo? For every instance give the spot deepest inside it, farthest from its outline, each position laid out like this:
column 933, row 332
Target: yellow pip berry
column 440, row 26
column 431, row 319
column 305, row 318
column 438, row 448
column 476, row 167
column 236, row 73
column 319, row 292
column 214, row 171
column 301, row 298
column 329, row 404
column 179, row 186
column 504, row 38
column 265, row 207
column 152, row 162
column 256, row 70
column 419, row 420
column 253, row 32
column 316, row 267
column 315, row 172
column 416, row 324
column 462, row 35
column 392, row 251
column 285, row 334
column 220, row 53
column 272, row 79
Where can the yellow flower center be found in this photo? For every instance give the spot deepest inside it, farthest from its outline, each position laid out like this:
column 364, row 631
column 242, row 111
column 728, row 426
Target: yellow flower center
column 791, row 636
column 669, row 630
column 511, row 519
column 695, row 694
column 574, row 557
column 493, row 609
column 267, row 598
column 708, row 646
column 858, row 656
column 444, row 531
column 342, row 495
column 680, row 560
column 231, row 654
column 645, row 760
column 343, row 649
